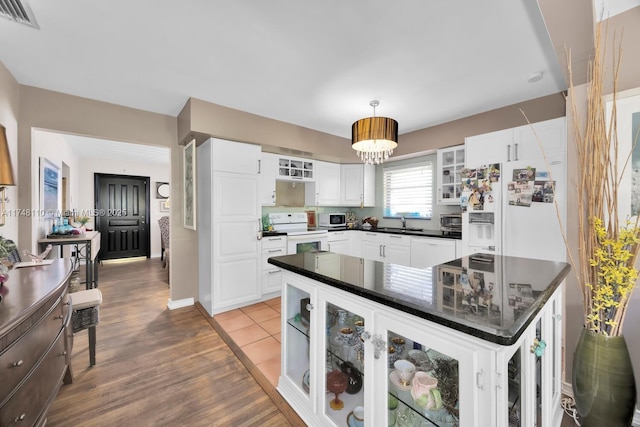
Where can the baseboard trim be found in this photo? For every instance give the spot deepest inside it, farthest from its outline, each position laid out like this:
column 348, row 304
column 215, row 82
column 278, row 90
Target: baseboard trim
column 567, row 390
column 186, row 302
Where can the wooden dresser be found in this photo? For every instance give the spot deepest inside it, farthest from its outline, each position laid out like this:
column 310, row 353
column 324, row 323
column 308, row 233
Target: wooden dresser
column 35, row 342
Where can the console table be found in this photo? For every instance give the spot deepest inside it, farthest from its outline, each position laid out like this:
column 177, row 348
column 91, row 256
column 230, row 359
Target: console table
column 35, row 341
column 91, row 242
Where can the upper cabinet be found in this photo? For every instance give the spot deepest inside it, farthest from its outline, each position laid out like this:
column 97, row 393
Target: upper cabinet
column 268, row 170
column 325, row 191
column 542, row 139
column 493, row 147
column 295, row 169
column 357, row 185
column 235, row 157
column 526, row 142
column 451, row 161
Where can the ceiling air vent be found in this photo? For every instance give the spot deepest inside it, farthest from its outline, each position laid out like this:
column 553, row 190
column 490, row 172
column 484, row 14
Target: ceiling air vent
column 18, row 11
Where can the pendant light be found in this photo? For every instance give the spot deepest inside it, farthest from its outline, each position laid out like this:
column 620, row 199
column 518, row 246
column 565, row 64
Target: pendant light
column 374, row 138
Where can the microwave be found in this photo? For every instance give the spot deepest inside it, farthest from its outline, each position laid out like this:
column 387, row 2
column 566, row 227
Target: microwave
column 332, row 220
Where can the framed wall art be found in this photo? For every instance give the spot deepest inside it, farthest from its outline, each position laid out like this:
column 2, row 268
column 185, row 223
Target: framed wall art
column 628, row 124
column 50, row 185
column 189, row 179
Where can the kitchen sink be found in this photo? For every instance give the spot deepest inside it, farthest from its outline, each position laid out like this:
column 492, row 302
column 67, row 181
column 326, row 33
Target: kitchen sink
column 398, row 229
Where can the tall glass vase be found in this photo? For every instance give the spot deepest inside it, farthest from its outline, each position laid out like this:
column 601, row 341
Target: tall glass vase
column 603, row 383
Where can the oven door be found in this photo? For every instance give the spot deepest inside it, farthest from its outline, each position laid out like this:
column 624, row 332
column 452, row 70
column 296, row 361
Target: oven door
column 306, row 242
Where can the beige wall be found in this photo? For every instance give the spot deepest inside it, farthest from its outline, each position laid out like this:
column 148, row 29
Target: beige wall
column 9, row 106
column 57, row 112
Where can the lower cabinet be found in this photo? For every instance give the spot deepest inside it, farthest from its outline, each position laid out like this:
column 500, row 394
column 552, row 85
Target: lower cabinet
column 427, row 252
column 339, row 242
column 346, row 358
column 385, row 247
column 271, row 275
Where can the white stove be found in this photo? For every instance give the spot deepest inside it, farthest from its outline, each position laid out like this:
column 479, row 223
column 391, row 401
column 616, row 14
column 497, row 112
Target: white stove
column 299, row 237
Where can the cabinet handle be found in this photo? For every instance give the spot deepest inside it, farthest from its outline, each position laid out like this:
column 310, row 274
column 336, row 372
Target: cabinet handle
column 274, row 250
column 508, row 152
column 259, row 166
column 515, row 149
column 309, row 306
column 259, row 236
column 379, row 345
column 58, row 317
column 64, row 353
column 273, row 271
column 393, row 236
column 380, row 251
column 329, row 247
column 274, row 239
column 273, row 196
column 479, row 382
column 17, row 364
column 538, row 347
column 20, row 418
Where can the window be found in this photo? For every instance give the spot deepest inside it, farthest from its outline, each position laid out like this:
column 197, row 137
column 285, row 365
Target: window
column 408, row 191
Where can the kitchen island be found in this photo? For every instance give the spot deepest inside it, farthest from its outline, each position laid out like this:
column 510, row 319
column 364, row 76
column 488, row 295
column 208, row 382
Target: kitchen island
column 487, row 328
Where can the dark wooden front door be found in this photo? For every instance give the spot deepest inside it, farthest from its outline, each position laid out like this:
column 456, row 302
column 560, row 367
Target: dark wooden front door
column 122, row 205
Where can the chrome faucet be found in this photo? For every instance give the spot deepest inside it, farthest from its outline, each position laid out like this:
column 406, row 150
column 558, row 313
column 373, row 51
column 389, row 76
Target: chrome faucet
column 404, row 222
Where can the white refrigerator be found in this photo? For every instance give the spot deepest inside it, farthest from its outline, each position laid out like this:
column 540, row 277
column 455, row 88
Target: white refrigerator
column 521, row 210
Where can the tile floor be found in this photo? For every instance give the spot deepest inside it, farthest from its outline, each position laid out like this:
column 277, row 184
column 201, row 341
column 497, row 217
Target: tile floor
column 256, row 330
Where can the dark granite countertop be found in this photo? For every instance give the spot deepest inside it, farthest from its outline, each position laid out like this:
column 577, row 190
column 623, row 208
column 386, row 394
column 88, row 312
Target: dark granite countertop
column 493, row 298
column 419, row 232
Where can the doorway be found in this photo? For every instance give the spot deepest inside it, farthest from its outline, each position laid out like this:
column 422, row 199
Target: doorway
column 122, row 215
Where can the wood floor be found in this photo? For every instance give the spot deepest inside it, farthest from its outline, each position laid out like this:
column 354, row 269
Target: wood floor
column 155, row 366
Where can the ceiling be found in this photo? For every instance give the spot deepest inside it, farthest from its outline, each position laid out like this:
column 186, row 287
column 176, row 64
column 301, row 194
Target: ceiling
column 313, row 64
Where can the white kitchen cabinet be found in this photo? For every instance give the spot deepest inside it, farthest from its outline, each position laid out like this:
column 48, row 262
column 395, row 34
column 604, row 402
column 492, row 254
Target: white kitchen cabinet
column 386, row 247
column 325, row 191
column 481, row 382
column 450, row 163
column 268, row 170
column 547, row 138
column 521, row 143
column 295, row 169
column 339, row 242
column 271, row 275
column 229, row 224
column 427, row 252
column 357, row 185
column 493, row 147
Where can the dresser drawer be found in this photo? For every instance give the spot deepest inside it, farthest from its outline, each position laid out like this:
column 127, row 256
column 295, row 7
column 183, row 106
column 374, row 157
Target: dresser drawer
column 19, row 359
column 35, row 396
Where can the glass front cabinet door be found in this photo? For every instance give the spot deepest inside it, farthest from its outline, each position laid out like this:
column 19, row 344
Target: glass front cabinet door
column 298, row 349
column 347, row 373
column 430, row 375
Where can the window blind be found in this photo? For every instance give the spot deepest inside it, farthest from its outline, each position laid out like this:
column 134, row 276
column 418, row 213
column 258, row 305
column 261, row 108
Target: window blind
column 408, row 191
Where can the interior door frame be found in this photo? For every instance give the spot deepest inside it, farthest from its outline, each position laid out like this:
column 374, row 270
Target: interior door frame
column 147, row 201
